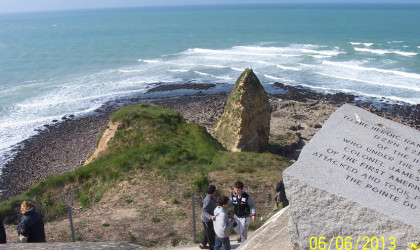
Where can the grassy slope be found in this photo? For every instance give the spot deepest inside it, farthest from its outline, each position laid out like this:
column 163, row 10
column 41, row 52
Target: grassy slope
column 152, row 164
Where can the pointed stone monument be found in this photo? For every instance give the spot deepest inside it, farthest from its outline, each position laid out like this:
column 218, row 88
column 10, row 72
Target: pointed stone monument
column 245, row 123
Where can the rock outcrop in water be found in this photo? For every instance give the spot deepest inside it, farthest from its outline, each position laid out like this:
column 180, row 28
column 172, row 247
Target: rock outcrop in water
column 245, row 123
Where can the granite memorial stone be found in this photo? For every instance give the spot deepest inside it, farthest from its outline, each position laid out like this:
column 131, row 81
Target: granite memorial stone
column 356, row 184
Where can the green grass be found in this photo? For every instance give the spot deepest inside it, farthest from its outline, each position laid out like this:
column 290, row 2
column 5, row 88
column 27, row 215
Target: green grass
column 153, row 139
column 155, row 220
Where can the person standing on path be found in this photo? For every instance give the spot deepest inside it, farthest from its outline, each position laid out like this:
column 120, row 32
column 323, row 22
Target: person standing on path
column 281, row 195
column 2, row 233
column 31, row 224
column 222, row 225
column 244, row 207
column 207, row 217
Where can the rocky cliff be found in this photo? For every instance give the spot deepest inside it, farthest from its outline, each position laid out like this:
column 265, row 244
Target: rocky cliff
column 245, row 123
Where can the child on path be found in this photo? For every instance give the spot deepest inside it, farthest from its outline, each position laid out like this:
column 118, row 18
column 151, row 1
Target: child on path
column 222, row 225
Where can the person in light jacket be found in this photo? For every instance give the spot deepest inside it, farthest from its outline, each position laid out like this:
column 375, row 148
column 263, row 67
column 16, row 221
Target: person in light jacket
column 222, row 225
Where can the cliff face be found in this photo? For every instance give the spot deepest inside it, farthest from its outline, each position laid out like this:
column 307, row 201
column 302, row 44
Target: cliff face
column 245, row 123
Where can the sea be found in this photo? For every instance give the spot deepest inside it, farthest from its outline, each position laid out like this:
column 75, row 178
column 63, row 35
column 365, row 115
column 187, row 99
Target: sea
column 55, row 64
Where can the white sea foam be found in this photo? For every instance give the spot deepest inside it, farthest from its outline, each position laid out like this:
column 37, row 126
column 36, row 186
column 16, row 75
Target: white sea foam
column 47, row 102
column 358, row 93
column 152, row 61
column 388, row 97
column 213, row 76
column 250, row 61
column 244, row 51
column 261, row 49
column 202, row 73
column 149, row 60
column 179, row 70
column 287, row 67
column 328, row 53
column 130, row 70
column 237, row 69
column 273, row 77
column 327, row 89
column 383, row 51
column 359, row 43
column 226, row 78
column 361, row 68
column 412, row 88
column 320, row 56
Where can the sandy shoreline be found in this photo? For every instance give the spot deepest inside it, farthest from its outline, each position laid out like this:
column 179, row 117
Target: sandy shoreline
column 65, row 146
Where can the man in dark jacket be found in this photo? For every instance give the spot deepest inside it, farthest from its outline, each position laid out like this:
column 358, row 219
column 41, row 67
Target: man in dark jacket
column 2, row 233
column 31, row 224
column 207, row 217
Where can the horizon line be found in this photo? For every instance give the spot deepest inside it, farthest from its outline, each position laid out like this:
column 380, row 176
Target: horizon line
column 323, row 3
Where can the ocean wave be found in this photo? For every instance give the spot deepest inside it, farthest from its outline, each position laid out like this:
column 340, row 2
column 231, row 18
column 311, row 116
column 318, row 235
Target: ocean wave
column 217, row 66
column 238, row 51
column 319, row 56
column 261, row 49
column 290, row 51
column 387, row 97
column 200, row 51
column 361, row 68
column 327, row 89
column 357, row 93
column 383, row 51
column 237, row 69
column 417, row 89
column 288, row 68
column 329, row 53
column 130, row 70
column 149, row 60
column 241, row 60
column 273, row 77
column 202, row 73
column 179, row 70
column 226, row 78
column 10, row 124
column 194, row 65
column 212, row 76
column 359, row 43
column 48, row 101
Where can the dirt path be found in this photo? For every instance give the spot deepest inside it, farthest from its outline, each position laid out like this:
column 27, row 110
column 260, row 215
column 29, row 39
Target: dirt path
column 102, row 145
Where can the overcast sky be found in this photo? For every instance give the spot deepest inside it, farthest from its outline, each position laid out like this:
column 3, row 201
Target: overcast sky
column 43, row 5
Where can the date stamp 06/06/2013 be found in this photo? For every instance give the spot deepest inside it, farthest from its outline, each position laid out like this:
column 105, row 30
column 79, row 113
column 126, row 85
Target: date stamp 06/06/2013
column 352, row 243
